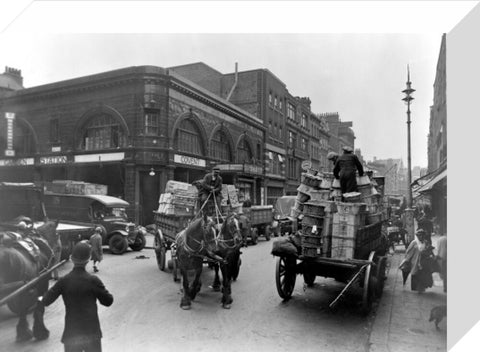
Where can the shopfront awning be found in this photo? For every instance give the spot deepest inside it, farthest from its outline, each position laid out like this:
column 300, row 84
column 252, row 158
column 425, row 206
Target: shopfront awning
column 428, row 186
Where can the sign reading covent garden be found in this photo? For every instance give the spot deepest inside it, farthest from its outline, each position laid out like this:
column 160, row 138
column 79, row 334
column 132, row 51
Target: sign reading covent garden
column 189, row 160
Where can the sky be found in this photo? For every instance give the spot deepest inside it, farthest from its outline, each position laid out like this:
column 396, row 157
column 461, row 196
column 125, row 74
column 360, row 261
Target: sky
column 360, row 76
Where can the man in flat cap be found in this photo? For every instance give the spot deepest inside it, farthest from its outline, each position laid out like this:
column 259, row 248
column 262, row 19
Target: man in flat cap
column 211, row 184
column 80, row 292
column 345, row 169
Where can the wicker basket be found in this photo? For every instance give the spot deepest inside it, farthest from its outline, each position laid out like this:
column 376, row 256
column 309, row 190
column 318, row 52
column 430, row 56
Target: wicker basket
column 351, row 208
column 318, row 195
column 311, row 240
column 311, row 251
column 313, row 209
column 352, row 197
column 312, row 221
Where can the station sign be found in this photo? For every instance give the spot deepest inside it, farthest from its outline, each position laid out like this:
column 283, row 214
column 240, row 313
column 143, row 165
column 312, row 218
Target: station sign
column 189, row 160
column 54, row 159
column 17, row 162
column 10, row 116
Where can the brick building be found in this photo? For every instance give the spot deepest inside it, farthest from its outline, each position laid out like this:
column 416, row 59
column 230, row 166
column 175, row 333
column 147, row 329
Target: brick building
column 341, row 133
column 285, row 117
column 132, row 129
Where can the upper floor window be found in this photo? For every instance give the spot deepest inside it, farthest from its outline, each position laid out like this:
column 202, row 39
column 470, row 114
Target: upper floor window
column 304, row 144
column 188, row 139
column 151, row 125
column 291, row 139
column 245, row 154
column 291, row 111
column 220, row 148
column 276, row 101
column 280, row 103
column 103, row 132
column 270, row 98
column 304, row 121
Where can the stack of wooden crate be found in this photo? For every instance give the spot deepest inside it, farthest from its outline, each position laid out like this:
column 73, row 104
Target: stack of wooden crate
column 348, row 219
column 179, row 199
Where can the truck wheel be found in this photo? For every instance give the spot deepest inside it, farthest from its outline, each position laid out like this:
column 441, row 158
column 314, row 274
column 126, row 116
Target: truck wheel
column 118, row 244
column 139, row 243
column 254, row 235
column 268, row 232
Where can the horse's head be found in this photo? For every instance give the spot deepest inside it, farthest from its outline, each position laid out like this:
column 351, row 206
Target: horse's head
column 48, row 230
column 231, row 227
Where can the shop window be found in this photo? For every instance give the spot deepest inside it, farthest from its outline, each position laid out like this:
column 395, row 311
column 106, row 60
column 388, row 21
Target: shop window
column 103, row 132
column 220, row 148
column 188, row 139
column 244, row 152
column 151, row 125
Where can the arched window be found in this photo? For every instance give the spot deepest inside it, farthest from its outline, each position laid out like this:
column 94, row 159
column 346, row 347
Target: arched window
column 23, row 141
column 220, row 148
column 188, row 139
column 245, row 154
column 103, row 132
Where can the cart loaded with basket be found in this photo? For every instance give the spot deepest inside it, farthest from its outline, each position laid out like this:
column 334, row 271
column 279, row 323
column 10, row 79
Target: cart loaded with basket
column 338, row 238
column 177, row 208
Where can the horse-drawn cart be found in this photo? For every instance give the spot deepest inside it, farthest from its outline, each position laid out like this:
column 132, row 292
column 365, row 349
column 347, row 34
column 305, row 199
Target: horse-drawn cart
column 366, row 269
column 167, row 227
column 340, row 240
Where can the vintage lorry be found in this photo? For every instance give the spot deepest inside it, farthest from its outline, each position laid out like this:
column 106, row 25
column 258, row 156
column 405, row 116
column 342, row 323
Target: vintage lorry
column 27, row 200
column 98, row 210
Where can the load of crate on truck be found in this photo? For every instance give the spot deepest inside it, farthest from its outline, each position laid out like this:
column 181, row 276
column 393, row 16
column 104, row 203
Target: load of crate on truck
column 74, row 187
column 335, row 229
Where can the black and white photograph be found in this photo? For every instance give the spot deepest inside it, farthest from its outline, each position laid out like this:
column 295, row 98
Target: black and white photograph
column 237, row 176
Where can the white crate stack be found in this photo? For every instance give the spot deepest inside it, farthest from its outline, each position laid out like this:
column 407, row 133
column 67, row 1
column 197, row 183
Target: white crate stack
column 179, row 199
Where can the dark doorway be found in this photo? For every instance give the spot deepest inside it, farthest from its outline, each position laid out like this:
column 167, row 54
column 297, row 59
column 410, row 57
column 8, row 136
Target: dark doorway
column 149, row 195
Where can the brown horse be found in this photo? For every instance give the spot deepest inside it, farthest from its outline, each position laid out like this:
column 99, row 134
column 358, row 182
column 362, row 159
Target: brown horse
column 18, row 265
column 202, row 240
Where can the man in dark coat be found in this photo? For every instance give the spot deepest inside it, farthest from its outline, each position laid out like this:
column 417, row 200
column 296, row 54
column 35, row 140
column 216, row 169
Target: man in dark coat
column 345, row 169
column 80, row 291
column 211, row 183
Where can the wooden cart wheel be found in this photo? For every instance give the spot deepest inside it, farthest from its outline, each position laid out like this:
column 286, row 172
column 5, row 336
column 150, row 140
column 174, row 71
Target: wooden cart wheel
column 285, row 276
column 380, row 275
column 160, row 252
column 367, row 287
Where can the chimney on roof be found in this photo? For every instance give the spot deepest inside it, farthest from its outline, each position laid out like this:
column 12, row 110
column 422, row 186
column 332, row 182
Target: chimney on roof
column 15, row 74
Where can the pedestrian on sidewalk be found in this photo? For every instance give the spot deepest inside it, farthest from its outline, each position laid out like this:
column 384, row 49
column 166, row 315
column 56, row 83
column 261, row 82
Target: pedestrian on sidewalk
column 97, row 250
column 419, row 261
column 442, row 257
column 80, row 291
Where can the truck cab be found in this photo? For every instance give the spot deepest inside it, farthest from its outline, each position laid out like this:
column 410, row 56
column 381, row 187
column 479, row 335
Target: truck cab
column 283, row 223
column 107, row 212
column 19, row 200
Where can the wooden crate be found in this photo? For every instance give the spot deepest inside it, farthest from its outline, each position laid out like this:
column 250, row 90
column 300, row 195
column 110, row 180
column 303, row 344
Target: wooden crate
column 342, row 247
column 351, row 208
column 350, row 219
column 313, row 209
column 261, row 214
column 311, row 240
column 312, row 220
column 319, row 195
column 344, row 230
column 311, row 251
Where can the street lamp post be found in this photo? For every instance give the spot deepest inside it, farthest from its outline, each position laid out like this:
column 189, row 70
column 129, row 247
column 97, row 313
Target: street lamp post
column 409, row 222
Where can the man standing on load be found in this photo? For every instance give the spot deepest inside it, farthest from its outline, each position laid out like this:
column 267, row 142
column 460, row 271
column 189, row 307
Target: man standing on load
column 345, row 169
column 211, row 186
